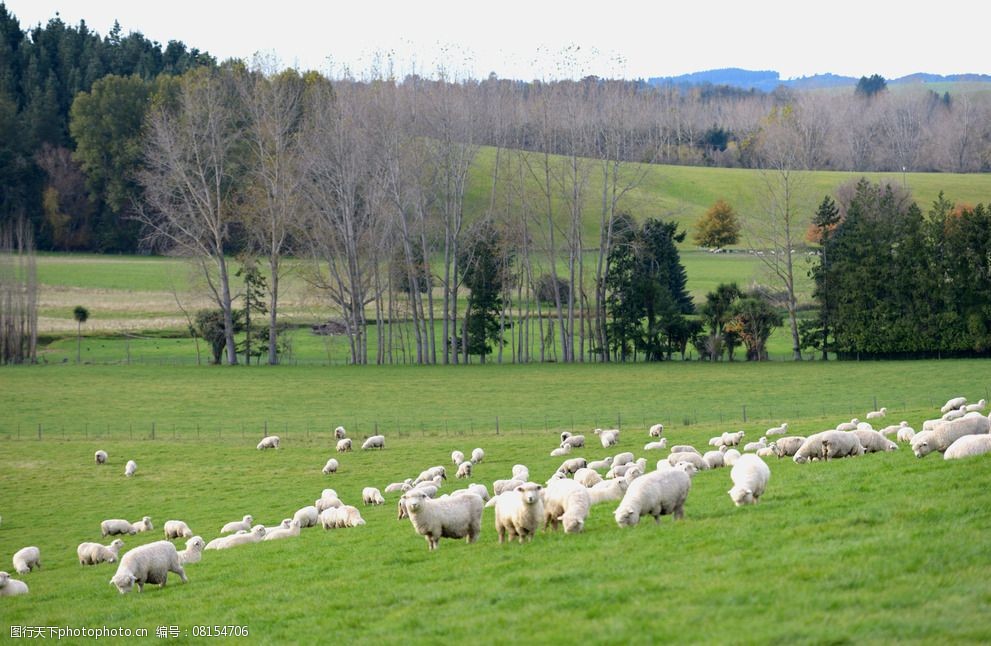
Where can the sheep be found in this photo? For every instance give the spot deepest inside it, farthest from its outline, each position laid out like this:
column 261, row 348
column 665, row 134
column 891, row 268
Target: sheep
column 149, row 563
column 428, row 488
column 521, row 472
column 457, row 457
column 344, row 446
column 474, row 488
column 750, row 476
column 326, row 502
column 307, row 516
column 954, row 414
column 874, row 442
column 967, row 446
column 11, row 587
column 374, row 442
column 811, row 449
column 238, row 525
column 587, row 477
column 788, row 446
column 477, row 455
column 979, row 406
column 656, row 430
column 116, row 526
column 574, row 441
column 623, row 458
column 751, row 447
column 399, row 486
column 635, row 471
column 905, row 434
column 94, row 553
column 778, row 430
column 561, row 451
column 619, row 470
column 688, row 456
column 953, row 404
column 501, row 486
column 945, row 434
column 100, row 457
column 714, row 459
column 864, row 426
column 656, row 494
column 176, row 529
column 565, row 435
column 331, row 467
column 143, row 525
column 282, row 532
column 878, row 414
column 608, row 437
column 730, row 456
column 767, row 451
column 130, row 468
column 340, row 433
column 840, row 444
column 848, row 426
column 254, row 535
column 684, row 448
column 338, row 518
column 608, row 490
column 26, row 559
column 732, row 439
column 464, row 470
column 518, row 512
column 598, row 465
column 655, row 446
column 372, row 496
column 888, row 431
column 451, row 517
column 270, row 442
column 430, row 474
column 566, row 502
column 570, row 466
column 193, row 552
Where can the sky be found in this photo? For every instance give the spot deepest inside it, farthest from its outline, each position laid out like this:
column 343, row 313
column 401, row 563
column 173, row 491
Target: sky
column 548, row 39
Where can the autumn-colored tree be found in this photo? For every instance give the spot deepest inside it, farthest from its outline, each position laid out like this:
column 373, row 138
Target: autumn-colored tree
column 719, row 227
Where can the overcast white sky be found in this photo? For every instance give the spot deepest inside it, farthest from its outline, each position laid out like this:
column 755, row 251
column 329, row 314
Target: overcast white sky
column 526, row 39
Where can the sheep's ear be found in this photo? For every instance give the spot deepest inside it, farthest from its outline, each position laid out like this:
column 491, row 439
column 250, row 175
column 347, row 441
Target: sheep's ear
column 539, row 487
column 519, row 488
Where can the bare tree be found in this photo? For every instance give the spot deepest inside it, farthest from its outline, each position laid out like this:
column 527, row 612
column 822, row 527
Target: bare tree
column 18, row 294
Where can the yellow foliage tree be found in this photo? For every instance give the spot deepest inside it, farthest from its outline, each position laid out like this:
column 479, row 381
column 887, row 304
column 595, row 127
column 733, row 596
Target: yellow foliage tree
column 719, row 227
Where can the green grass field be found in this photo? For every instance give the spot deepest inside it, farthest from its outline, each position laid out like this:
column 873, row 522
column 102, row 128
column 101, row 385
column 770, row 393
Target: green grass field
column 884, row 548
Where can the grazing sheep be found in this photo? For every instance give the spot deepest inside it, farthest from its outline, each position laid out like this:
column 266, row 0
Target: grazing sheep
column 149, row 563
column 598, row 465
column 340, row 433
column 374, row 442
column 751, row 447
column 656, row 494
column 270, row 442
column 654, row 446
column 608, row 490
column 684, row 448
column 953, row 404
column 848, row 426
column 502, row 486
column 750, row 476
column 307, row 516
column 688, row 456
column 100, row 457
column 778, row 430
column 372, row 496
column 344, row 446
column 979, row 406
column 457, row 457
column 282, row 532
column 874, row 442
column 26, row 559
column 656, row 430
column 587, row 477
column 451, row 517
column 570, row 466
column 518, row 512
column 193, row 552
column 968, row 446
column 477, row 455
column 176, row 529
column 566, row 502
column 130, row 468
column 143, row 525
column 840, row 444
column 905, row 434
column 732, row 439
column 238, row 525
column 331, row 467
column 878, row 414
column 574, row 441
column 561, row 451
column 116, row 526
column 464, row 470
column 94, row 553
column 11, row 587
column 608, row 437
column 474, row 488
column 715, row 459
column 521, row 472
column 945, row 434
column 254, row 535
column 730, row 456
column 811, row 449
column 787, row 446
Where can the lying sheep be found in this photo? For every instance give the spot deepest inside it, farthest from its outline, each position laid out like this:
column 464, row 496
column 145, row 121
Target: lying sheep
column 888, row 431
column 574, row 441
column 307, row 516
column 404, row 486
column 372, row 496
column 521, row 472
column 656, row 430
column 143, row 525
column 598, row 465
column 690, row 457
column 26, row 559
column 566, row 502
column 342, row 517
column 655, row 494
column 254, row 535
column 973, row 408
column 840, row 444
column 464, row 470
column 116, row 526
column 587, row 477
column 451, row 517
column 848, row 426
column 340, row 433
column 945, row 434
column 778, row 430
column 428, row 475
column 654, row 446
column 518, row 513
column 788, row 446
column 561, row 451
column 968, row 446
column 270, row 442
column 477, row 455
column 193, row 552
column 149, row 563
column 11, row 587
column 176, row 529
column 623, row 458
column 94, row 553
column 751, row 447
column 100, row 457
column 714, row 459
column 619, row 470
column 344, row 446
column 767, row 451
column 457, row 457
column 374, row 442
column 501, row 486
column 878, row 414
column 905, row 434
column 874, row 442
column 572, row 465
column 238, row 525
column 331, row 467
column 750, row 476
column 716, row 441
column 282, row 532
column 130, row 468
column 685, row 448
column 953, row 404
column 608, row 490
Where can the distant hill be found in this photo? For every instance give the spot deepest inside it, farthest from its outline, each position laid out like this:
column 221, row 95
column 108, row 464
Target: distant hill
column 769, row 80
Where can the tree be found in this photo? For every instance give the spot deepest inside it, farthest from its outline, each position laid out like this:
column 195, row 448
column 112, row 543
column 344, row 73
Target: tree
column 81, row 315
column 254, row 303
column 719, row 227
column 211, row 326
column 824, row 222
column 716, row 312
column 484, row 277
column 18, row 294
column 870, row 87
column 753, row 319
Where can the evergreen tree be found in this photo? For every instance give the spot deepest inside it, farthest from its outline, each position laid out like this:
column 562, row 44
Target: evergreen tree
column 483, row 276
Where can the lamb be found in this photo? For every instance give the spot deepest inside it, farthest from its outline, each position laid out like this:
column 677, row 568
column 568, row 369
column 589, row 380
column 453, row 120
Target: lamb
column 255, row 535
column 149, row 563
column 953, row 404
column 193, row 552
column 604, row 463
column 281, row 532
column 788, row 446
column 372, row 496
column 656, row 430
column 477, row 455
column 623, row 458
column 572, row 465
column 307, row 516
column 270, row 442
column 457, row 457
column 874, row 442
column 566, row 502
column 654, row 446
column 732, row 439
column 331, row 467
column 945, row 434
column 811, row 449
column 374, row 442
column 840, row 444
column 608, row 490
column 905, row 434
column 750, row 476
column 607, row 438
column 574, row 441
column 979, row 406
column 714, row 459
column 464, row 470
column 94, row 553
column 684, row 448
column 521, row 472
column 238, row 525
column 11, row 587
column 451, row 517
column 766, row 452
column 518, row 512
column 778, row 430
column 848, row 426
column 130, row 468
column 344, row 446
column 687, row 456
column 501, row 486
column 750, row 447
column 116, row 526
column 730, row 456
column 100, row 457
column 143, row 525
column 878, row 414
column 176, row 529
column 26, row 559
column 968, row 446
column 340, row 433
column 587, row 477
column 561, row 451
column 656, row 494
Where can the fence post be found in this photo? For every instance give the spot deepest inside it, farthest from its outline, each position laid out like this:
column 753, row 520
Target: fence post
column 39, row 431
column 619, row 421
column 875, row 402
column 153, row 430
column 497, row 425
column 744, row 413
column 266, row 429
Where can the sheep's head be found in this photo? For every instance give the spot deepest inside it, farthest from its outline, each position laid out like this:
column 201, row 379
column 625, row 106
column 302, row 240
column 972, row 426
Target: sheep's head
column 196, row 543
column 4, row 577
column 124, row 581
column 414, row 500
column 117, row 544
column 572, row 525
column 741, row 496
column 626, row 517
column 529, row 492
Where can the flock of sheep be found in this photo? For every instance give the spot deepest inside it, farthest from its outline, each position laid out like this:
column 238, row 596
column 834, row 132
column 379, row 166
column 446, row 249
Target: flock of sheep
column 521, row 506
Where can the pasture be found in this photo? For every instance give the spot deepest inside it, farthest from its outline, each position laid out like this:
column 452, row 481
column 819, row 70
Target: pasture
column 882, row 548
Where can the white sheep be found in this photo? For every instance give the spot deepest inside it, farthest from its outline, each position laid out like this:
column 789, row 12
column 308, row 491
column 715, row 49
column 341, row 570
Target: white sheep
column 750, row 476
column 953, row 404
column 431, row 474
column 715, row 459
column 811, row 449
column 474, row 488
column 344, row 446
column 730, row 456
column 94, row 553
column 238, row 525
column 282, row 532
column 888, row 431
column 608, row 490
column 561, row 451
column 116, row 526
column 840, row 444
column 905, row 433
column 326, row 502
column 130, row 468
column 946, row 433
column 340, row 433
column 406, row 485
column 878, row 414
column 477, row 455
column 864, row 426
column 623, row 458
column 11, row 587
column 451, row 517
column 655, row 494
column 566, row 502
column 574, row 441
column 307, row 516
column 778, row 430
column 732, row 439
column 655, row 446
column 521, row 472
column 598, row 465
column 457, row 457
column 26, row 559
column 954, row 414
column 270, row 442
column 979, row 406
column 176, row 529
column 565, row 435
column 716, row 441
column 656, row 430
column 767, row 451
column 149, row 563
column 331, row 467
column 570, row 466
column 967, row 446
column 788, row 446
column 687, row 456
column 193, row 552
column 501, row 486
column 518, row 513
column 254, row 535
column 874, row 442
column 684, row 448
column 374, row 442
column 372, row 496
column 464, row 470
column 751, row 447
column 619, row 470
column 143, row 525
column 607, row 437
column 848, row 426
column 587, row 477
column 342, row 517
column 100, row 457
